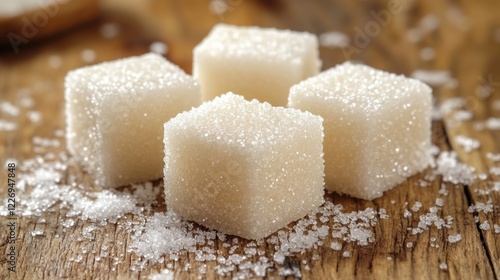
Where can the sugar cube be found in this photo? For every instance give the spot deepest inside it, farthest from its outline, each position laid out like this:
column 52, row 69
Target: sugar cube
column 243, row 167
column 260, row 63
column 115, row 113
column 377, row 126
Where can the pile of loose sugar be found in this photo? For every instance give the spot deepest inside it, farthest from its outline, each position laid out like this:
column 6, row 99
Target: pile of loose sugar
column 47, row 184
column 167, row 235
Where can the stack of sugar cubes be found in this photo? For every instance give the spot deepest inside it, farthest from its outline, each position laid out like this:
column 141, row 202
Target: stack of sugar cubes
column 233, row 163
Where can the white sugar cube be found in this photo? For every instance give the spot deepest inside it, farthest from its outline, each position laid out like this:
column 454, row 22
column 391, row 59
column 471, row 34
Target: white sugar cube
column 377, row 126
column 243, row 167
column 115, row 113
column 260, row 63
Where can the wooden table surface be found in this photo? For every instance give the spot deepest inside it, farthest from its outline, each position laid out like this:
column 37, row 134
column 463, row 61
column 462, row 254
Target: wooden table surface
column 465, row 36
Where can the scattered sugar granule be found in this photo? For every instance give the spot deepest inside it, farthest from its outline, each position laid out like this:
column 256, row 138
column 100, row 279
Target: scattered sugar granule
column 9, row 109
column 495, row 171
column 451, row 104
column 336, row 246
column 485, row 225
column 483, row 91
column 333, row 39
column 87, row 231
column 439, row 202
column 407, row 214
column 7, row 126
column 409, row 245
column 429, row 219
column 26, row 102
column 433, row 77
column 482, row 176
column 482, row 207
column 346, row 254
column 454, row 238
column 34, row 116
column 106, row 205
column 158, row 47
column 305, row 235
column 443, row 266
column 416, row 206
column 88, row 55
column 165, row 274
column 279, row 257
column 493, row 157
column 492, row 123
column 68, row 223
column 443, row 190
column 467, row 143
column 45, row 142
column 109, row 30
column 294, row 272
column 497, row 228
column 383, row 214
column 452, row 170
column 37, row 233
column 461, row 116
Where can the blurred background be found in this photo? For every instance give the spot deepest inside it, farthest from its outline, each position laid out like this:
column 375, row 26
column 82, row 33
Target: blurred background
column 399, row 34
column 396, row 35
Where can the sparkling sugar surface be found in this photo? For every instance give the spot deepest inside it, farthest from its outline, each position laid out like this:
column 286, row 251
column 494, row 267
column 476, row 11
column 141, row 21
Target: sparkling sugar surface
column 48, row 184
column 260, row 63
column 243, row 167
column 121, row 106
column 377, row 126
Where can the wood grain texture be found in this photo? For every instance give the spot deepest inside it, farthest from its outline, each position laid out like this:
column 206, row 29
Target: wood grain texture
column 465, row 46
